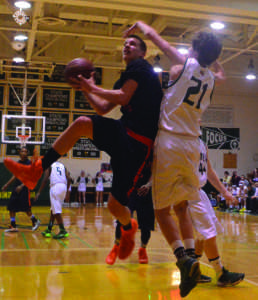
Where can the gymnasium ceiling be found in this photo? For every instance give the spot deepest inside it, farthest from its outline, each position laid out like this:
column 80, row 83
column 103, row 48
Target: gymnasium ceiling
column 60, row 30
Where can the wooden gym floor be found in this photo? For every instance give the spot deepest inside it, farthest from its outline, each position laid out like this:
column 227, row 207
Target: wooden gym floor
column 33, row 267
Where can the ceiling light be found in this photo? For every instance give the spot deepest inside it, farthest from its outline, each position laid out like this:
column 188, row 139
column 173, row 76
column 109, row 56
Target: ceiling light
column 22, row 4
column 20, row 17
column 251, row 71
column 156, row 66
column 217, row 25
column 20, row 37
column 18, row 59
column 250, row 77
column 183, row 51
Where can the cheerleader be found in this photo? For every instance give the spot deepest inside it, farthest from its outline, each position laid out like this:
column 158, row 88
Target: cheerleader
column 99, row 189
column 82, row 180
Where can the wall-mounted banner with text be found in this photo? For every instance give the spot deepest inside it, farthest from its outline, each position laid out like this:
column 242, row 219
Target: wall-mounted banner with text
column 85, row 148
column 221, row 138
column 49, row 141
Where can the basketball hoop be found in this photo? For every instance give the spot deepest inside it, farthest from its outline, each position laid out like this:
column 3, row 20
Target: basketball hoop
column 23, row 130
column 23, row 139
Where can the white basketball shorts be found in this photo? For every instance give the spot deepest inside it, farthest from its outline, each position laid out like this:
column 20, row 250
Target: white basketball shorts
column 203, row 218
column 57, row 196
column 175, row 169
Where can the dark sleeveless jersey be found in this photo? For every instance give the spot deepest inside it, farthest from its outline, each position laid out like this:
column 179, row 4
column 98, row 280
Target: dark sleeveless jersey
column 17, row 182
column 141, row 115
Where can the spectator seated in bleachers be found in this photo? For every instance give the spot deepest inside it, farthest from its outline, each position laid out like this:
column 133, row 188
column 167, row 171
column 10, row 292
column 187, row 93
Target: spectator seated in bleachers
column 221, row 200
column 235, row 179
column 226, row 178
column 252, row 198
column 255, row 175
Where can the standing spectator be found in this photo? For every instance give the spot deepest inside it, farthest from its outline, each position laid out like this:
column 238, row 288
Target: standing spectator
column 20, row 197
column 99, row 180
column 82, row 187
column 235, row 179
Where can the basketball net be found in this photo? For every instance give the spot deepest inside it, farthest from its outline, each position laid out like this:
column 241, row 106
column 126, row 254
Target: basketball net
column 23, row 139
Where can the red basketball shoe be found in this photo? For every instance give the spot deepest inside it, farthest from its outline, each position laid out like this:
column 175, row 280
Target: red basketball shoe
column 111, row 258
column 127, row 240
column 143, row 257
column 27, row 174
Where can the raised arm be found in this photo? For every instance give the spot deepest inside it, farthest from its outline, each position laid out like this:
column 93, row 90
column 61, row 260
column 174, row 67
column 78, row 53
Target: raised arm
column 218, row 72
column 171, row 52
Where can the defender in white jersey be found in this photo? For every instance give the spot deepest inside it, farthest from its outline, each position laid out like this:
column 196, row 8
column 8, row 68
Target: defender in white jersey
column 57, row 175
column 176, row 151
column 202, row 213
column 206, row 223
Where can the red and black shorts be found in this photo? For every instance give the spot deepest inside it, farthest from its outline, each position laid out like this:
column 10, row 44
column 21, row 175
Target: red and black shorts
column 129, row 153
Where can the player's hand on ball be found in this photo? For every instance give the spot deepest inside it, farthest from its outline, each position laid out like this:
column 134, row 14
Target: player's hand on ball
column 75, row 68
column 75, row 83
column 87, row 85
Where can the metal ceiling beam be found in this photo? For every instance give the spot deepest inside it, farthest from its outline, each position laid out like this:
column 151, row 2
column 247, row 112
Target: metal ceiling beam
column 32, row 35
column 46, row 46
column 253, row 36
column 239, row 53
column 5, row 10
column 90, row 18
column 6, row 39
column 159, row 24
column 110, row 38
column 110, row 24
column 169, row 8
column 128, row 22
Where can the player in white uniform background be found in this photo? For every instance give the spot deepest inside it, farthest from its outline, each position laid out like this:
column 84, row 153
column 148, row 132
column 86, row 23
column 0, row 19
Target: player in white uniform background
column 57, row 175
column 176, row 150
column 207, row 225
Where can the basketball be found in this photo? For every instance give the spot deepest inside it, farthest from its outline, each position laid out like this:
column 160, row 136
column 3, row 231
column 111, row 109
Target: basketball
column 78, row 66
